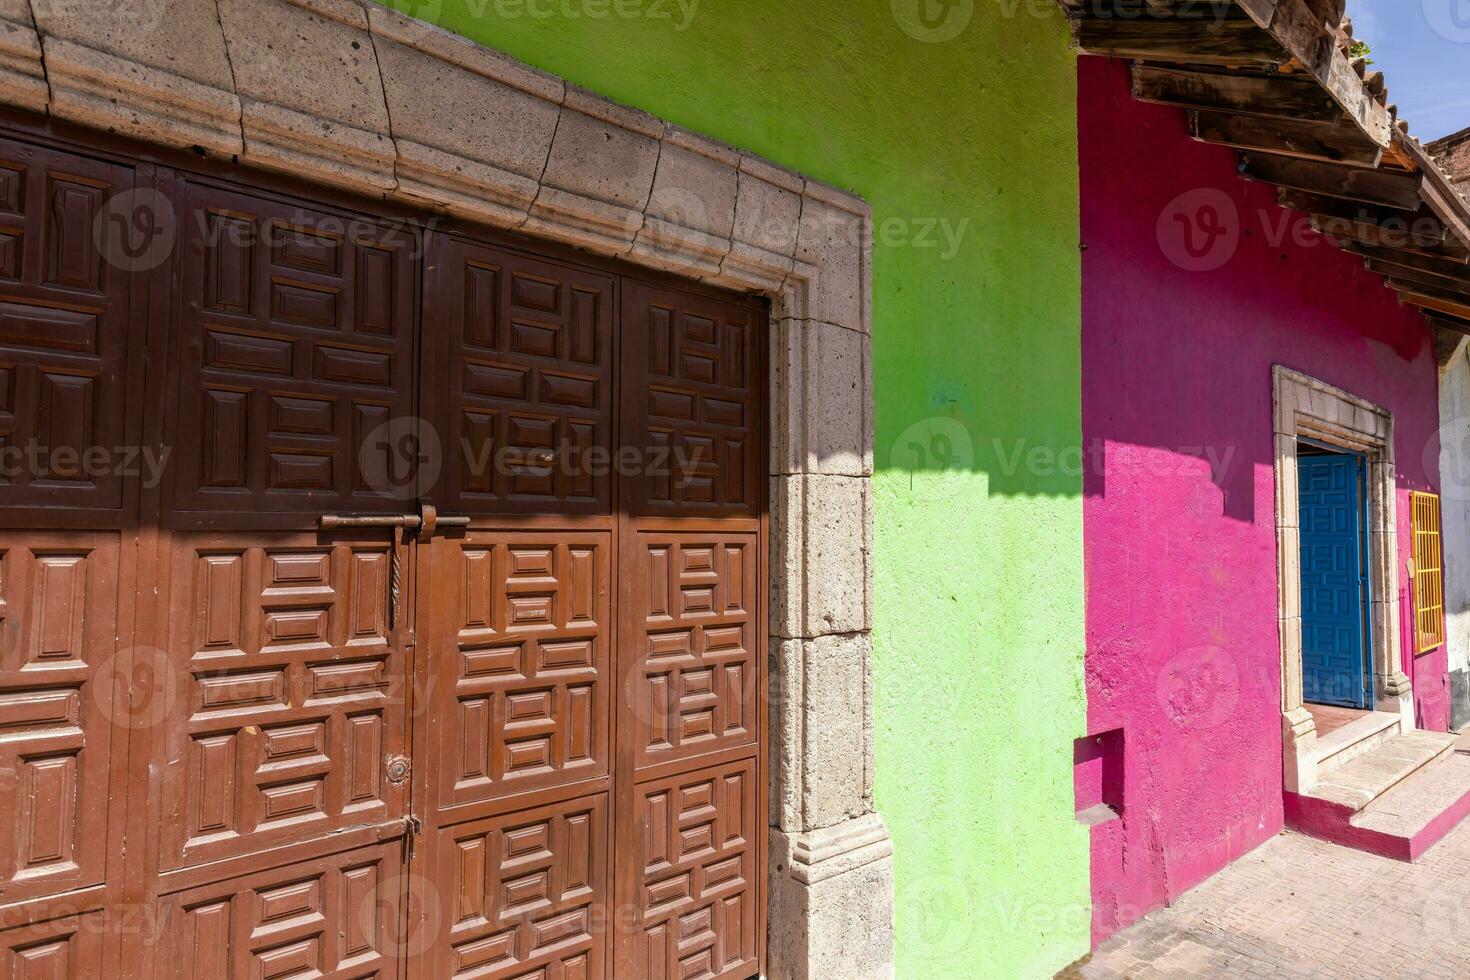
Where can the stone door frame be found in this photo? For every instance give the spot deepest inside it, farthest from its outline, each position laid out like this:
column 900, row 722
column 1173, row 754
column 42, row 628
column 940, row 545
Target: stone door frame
column 386, row 106
column 1308, row 408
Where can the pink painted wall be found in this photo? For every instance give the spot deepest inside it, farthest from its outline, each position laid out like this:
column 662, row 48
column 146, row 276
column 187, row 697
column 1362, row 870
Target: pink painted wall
column 1182, row 641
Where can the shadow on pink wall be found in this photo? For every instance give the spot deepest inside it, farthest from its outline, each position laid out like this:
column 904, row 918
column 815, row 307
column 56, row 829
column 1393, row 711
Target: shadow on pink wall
column 1194, row 284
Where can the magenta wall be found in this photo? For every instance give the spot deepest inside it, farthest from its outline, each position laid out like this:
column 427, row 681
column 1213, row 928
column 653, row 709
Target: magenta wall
column 1182, row 649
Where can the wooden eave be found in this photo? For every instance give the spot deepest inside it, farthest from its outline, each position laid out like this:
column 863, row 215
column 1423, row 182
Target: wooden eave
column 1274, row 80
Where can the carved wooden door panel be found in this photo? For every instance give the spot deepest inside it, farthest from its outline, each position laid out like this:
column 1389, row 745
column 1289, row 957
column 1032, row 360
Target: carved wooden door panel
column 690, row 835
column 515, row 763
column 278, row 799
column 71, row 407
column 591, row 651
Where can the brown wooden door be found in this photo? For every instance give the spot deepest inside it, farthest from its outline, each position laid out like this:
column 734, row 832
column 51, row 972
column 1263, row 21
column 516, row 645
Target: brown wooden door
column 71, row 405
column 276, row 815
column 591, row 646
column 505, row 722
column 515, row 763
column 690, row 838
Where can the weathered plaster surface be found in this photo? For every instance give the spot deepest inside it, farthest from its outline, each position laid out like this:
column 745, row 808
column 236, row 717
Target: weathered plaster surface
column 1183, row 645
column 1454, row 414
column 965, row 147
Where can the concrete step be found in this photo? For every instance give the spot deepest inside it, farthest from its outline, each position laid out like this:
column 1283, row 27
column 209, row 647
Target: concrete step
column 1357, row 784
column 1398, row 799
column 1357, row 738
column 1417, row 814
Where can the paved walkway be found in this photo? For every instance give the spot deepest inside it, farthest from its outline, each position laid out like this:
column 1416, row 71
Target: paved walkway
column 1297, row 907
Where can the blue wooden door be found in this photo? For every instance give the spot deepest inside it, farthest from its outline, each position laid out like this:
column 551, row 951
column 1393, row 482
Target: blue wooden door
column 1334, row 584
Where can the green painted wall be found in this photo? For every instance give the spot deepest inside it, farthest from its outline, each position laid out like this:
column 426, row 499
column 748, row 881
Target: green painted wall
column 979, row 612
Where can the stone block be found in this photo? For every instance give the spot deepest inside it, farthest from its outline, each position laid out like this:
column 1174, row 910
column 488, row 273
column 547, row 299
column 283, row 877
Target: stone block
column 695, row 184
column 839, row 383
column 822, row 726
column 745, row 268
column 1365, row 421
column 157, row 71
column 788, row 547
column 1323, row 405
column 22, row 77
column 1291, row 657
column 831, row 239
column 832, row 903
column 787, row 721
column 604, row 151
column 823, row 418
column 311, row 94
column 686, row 227
column 473, row 130
column 599, row 175
column 837, row 729
column 821, row 540
column 180, row 37
column 768, row 212
column 608, row 229
column 1288, row 500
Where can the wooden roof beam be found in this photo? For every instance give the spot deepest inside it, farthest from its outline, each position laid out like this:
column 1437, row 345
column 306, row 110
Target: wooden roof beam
column 1439, row 191
column 1380, row 187
column 1418, row 278
column 1272, row 96
column 1394, row 232
column 1421, row 230
column 1236, row 42
column 1419, row 261
column 1458, row 309
column 1334, row 142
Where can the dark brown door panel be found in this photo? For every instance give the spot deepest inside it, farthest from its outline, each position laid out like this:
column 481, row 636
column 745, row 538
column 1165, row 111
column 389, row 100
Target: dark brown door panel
column 520, row 353
column 297, row 358
column 68, row 375
column 692, row 404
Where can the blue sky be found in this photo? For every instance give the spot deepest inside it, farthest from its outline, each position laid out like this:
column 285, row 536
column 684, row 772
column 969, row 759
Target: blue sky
column 1423, row 47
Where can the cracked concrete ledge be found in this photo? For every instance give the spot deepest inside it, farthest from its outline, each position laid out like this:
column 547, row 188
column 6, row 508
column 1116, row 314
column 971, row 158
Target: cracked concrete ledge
column 380, row 104
column 22, row 71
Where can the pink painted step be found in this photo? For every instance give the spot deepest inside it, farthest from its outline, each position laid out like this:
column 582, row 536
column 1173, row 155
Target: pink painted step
column 1398, row 800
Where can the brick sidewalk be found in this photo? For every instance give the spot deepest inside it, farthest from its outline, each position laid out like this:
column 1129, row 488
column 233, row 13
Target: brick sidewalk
column 1297, row 907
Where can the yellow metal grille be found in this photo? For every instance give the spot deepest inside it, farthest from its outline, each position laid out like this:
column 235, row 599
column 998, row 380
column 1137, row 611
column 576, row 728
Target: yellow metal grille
column 1428, row 573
